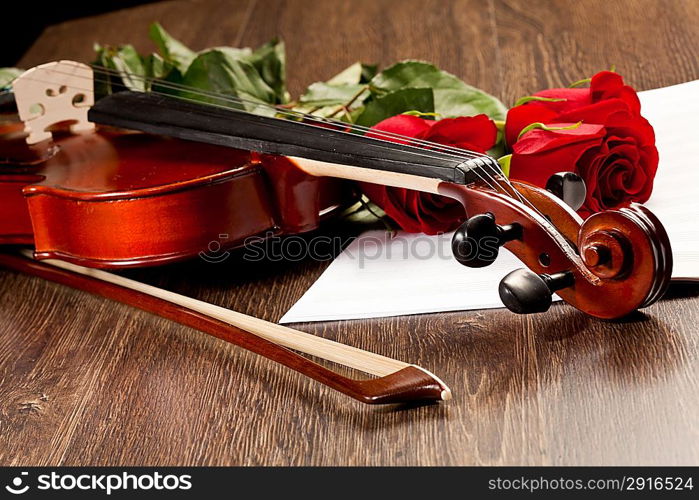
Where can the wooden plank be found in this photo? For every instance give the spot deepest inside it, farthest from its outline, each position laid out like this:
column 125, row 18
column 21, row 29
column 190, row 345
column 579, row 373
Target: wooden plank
column 197, row 24
column 323, row 38
column 548, row 43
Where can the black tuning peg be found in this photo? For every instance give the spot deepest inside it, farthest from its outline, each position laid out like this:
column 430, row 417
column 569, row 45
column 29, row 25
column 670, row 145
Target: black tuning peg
column 569, row 187
column 477, row 241
column 524, row 292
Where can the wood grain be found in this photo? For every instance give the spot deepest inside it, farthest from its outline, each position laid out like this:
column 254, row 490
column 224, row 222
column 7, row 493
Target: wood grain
column 87, row 381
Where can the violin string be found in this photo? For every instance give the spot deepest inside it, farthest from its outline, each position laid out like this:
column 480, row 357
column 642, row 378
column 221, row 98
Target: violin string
column 495, row 185
column 434, row 146
column 458, row 153
column 287, row 112
column 499, row 176
column 384, row 144
column 415, row 150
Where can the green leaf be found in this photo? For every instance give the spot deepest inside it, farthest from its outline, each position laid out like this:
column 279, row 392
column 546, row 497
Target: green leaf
column 342, row 97
column 452, row 97
column 173, row 51
column 225, row 72
column 127, row 62
column 157, row 67
column 368, row 72
column 131, row 68
column 336, row 112
column 326, row 94
column 258, row 76
column 395, row 103
column 270, row 62
column 536, row 98
column 369, row 215
column 504, row 162
column 7, row 76
column 355, row 74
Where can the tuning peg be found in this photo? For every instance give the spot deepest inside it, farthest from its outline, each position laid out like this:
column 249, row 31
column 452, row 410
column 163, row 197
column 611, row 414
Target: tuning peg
column 569, row 187
column 477, row 241
column 524, row 292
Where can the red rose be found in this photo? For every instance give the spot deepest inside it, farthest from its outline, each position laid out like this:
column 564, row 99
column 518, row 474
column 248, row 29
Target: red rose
column 618, row 166
column 415, row 211
column 578, row 104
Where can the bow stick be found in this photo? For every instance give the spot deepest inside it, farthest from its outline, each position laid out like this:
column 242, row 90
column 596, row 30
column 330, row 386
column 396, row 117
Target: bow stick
column 396, row 382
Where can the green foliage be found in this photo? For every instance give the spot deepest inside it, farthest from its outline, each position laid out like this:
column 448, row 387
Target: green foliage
column 7, row 75
column 361, row 95
column 452, row 97
column 255, row 75
column 420, row 100
column 504, row 162
column 173, row 51
column 358, row 94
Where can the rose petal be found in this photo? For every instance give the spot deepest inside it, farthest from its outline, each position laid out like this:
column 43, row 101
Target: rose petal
column 479, row 132
column 521, row 116
column 536, row 161
column 407, row 125
column 540, row 140
column 610, row 85
column 574, row 98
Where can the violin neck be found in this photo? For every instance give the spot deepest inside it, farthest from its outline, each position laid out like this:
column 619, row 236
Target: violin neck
column 236, row 128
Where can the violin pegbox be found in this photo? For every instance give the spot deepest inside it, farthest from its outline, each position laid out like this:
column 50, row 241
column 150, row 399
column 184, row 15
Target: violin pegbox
column 52, row 93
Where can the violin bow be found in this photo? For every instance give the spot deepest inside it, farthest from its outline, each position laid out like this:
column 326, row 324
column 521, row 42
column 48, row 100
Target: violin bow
column 395, row 381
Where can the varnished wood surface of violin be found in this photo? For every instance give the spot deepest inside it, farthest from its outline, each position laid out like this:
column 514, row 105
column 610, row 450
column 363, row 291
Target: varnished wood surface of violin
column 556, row 388
column 115, row 199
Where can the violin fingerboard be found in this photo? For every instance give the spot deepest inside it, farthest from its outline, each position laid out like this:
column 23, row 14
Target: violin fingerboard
column 236, row 128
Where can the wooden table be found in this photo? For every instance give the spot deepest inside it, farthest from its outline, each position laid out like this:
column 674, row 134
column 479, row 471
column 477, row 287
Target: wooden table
column 88, row 381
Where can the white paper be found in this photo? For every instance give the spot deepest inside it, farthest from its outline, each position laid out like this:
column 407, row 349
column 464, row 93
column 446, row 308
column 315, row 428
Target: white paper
column 377, row 276
column 674, row 114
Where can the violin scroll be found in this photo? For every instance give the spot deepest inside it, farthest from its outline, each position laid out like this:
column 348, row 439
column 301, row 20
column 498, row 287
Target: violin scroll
column 607, row 266
column 628, row 246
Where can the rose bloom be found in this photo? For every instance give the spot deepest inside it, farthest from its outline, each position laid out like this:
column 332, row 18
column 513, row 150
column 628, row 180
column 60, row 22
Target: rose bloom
column 613, row 150
column 428, row 213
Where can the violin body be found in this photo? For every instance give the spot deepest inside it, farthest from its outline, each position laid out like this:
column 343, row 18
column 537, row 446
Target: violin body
column 113, row 199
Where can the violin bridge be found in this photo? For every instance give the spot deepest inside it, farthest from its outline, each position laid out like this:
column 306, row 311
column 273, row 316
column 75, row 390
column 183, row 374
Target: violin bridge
column 53, row 93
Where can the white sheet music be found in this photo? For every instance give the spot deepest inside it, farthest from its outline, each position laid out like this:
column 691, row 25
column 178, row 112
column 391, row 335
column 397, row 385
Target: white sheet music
column 377, row 276
column 674, row 114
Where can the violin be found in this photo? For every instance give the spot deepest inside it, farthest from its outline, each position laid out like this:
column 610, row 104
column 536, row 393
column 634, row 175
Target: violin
column 147, row 177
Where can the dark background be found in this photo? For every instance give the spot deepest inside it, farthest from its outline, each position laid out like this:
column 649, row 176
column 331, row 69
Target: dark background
column 27, row 20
